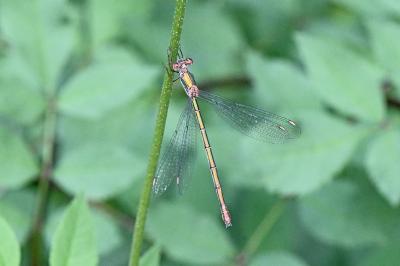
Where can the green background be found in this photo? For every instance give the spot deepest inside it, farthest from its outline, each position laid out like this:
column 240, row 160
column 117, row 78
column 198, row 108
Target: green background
column 96, row 67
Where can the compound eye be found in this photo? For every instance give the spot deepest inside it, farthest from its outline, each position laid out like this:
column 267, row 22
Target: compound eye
column 189, row 61
column 175, row 67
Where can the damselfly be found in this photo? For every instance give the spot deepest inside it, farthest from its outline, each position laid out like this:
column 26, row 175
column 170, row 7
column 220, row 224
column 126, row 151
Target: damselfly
column 254, row 122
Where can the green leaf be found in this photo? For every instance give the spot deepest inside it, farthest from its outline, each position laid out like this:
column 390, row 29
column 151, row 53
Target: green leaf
column 151, row 257
column 173, row 226
column 370, row 8
column 16, row 211
column 40, row 35
column 382, row 162
column 343, row 213
column 224, row 45
column 344, row 31
column 74, row 241
column 99, row 171
column 385, row 36
column 152, row 41
column 119, row 256
column 116, row 54
column 269, row 24
column 226, row 41
column 18, row 89
column 384, row 256
column 280, row 258
column 121, row 127
column 14, row 65
column 246, row 220
column 344, row 80
column 278, row 83
column 106, row 231
column 17, row 163
column 102, row 87
column 10, row 254
column 13, row 95
column 108, row 18
column 302, row 165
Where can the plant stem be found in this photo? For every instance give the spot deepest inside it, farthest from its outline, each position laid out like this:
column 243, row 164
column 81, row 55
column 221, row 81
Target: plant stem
column 158, row 136
column 49, row 133
column 264, row 228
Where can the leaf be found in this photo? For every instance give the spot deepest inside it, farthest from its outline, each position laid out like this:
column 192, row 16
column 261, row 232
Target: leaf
column 382, row 162
column 173, row 226
column 280, row 258
column 344, row 31
column 74, row 241
column 17, row 163
column 343, row 79
column 215, row 49
column 40, row 35
column 13, row 65
column 10, row 254
column 120, row 127
column 18, row 89
column 343, row 213
column 100, row 171
column 13, row 95
column 384, row 256
column 278, row 84
column 324, row 147
column 154, row 40
column 151, row 257
column 107, row 18
column 106, row 231
column 118, row 256
column 116, row 54
column 370, row 8
column 16, row 211
column 246, row 219
column 268, row 25
column 384, row 36
column 102, row 87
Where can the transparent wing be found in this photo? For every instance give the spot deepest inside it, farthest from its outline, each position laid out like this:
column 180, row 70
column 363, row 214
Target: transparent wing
column 189, row 150
column 253, row 122
column 176, row 159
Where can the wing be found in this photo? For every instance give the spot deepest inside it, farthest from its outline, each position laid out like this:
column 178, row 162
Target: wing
column 176, row 159
column 253, row 122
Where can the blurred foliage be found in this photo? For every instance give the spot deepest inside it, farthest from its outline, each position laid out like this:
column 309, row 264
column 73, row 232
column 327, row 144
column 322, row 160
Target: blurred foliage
column 332, row 65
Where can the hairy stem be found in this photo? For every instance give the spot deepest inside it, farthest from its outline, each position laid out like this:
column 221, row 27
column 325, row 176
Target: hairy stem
column 158, row 136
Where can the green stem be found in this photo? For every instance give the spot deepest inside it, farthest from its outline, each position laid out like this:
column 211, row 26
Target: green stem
column 264, row 228
column 158, row 136
column 49, row 133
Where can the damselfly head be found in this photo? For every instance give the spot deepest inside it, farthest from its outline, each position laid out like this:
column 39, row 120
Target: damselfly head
column 182, row 63
column 175, row 67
